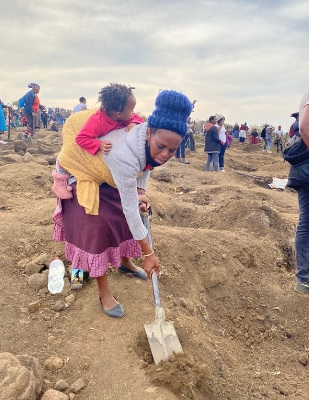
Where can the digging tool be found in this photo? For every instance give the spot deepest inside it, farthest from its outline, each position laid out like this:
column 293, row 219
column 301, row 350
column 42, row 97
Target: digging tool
column 162, row 337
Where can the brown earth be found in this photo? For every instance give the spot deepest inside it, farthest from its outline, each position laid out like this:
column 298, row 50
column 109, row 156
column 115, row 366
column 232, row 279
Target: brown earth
column 225, row 242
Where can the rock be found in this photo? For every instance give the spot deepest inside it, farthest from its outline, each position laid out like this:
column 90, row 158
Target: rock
column 21, row 379
column 12, row 158
column 70, row 299
column 28, row 157
column 33, row 307
column 33, row 268
column 162, row 174
column 303, row 359
column 34, row 365
column 53, row 363
column 71, row 396
column 66, row 288
column 265, row 220
column 19, row 145
column 61, row 385
column 42, row 259
column 44, row 290
column 216, row 276
column 183, row 302
column 53, row 394
column 37, row 263
column 59, row 306
column 41, row 161
column 51, row 160
column 37, row 281
column 22, row 263
column 77, row 386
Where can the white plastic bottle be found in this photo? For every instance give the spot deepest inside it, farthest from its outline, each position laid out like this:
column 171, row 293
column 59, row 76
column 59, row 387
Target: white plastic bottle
column 55, row 276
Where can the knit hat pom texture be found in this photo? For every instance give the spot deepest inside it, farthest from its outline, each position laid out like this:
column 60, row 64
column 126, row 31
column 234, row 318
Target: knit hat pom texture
column 172, row 112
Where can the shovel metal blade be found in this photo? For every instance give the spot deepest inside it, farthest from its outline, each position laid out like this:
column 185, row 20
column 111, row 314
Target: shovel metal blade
column 163, row 340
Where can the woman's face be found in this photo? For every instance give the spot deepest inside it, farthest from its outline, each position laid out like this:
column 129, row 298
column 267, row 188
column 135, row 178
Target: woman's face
column 163, row 144
column 36, row 89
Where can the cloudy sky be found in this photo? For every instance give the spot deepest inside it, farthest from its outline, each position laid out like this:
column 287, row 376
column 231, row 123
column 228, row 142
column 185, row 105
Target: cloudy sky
column 245, row 59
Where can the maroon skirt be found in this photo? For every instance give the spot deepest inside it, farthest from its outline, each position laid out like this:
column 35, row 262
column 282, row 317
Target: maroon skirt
column 94, row 242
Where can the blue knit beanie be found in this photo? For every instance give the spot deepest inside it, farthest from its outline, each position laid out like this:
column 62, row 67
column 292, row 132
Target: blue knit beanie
column 171, row 112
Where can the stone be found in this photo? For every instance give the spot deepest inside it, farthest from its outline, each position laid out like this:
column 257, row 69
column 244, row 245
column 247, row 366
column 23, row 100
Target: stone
column 183, row 302
column 41, row 161
column 33, row 307
column 53, row 363
column 66, row 287
column 33, row 268
column 265, row 220
column 59, row 306
column 19, row 145
column 53, row 394
column 28, row 157
column 44, row 290
column 37, row 281
column 77, row 386
column 71, row 396
column 34, row 365
column 51, row 160
column 22, row 263
column 303, row 359
column 61, row 385
column 70, row 299
column 12, row 158
column 161, row 174
column 42, row 259
column 21, row 379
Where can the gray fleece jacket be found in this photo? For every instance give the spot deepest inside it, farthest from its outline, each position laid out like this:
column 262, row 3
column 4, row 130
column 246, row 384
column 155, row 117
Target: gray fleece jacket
column 126, row 161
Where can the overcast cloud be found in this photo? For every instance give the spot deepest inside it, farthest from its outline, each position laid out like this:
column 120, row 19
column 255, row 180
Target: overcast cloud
column 245, row 59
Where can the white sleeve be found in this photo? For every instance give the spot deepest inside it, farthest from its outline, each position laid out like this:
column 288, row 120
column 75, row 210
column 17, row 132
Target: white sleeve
column 124, row 171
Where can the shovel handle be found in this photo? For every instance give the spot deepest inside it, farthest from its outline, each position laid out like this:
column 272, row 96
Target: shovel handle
column 154, row 275
column 155, row 288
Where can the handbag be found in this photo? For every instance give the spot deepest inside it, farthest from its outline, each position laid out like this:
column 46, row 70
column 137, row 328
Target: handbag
column 296, row 154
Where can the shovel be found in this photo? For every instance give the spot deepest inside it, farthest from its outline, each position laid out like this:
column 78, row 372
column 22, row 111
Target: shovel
column 162, row 337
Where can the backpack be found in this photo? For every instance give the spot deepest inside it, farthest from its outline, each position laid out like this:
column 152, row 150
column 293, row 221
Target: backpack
column 263, row 133
column 294, row 129
column 22, row 101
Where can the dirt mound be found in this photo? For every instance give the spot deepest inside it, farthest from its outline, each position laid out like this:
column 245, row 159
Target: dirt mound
column 225, row 243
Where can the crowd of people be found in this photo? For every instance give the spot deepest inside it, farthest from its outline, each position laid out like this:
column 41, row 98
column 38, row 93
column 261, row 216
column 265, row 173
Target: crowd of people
column 102, row 171
column 31, row 114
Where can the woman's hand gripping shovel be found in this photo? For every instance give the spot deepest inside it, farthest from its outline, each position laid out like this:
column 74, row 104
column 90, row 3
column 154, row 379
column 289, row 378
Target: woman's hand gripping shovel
column 162, row 337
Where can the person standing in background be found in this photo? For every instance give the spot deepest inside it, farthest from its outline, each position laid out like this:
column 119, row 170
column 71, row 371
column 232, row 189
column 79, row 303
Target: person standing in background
column 44, row 118
column 243, row 132
column 81, row 106
column 3, row 127
column 222, row 137
column 279, row 139
column 31, row 108
column 212, row 144
column 190, row 135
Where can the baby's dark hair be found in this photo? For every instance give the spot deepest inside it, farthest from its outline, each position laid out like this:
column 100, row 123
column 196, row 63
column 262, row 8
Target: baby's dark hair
column 114, row 97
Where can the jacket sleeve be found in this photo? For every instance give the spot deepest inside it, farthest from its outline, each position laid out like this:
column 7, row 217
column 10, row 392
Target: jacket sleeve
column 87, row 136
column 124, row 170
column 29, row 99
column 216, row 135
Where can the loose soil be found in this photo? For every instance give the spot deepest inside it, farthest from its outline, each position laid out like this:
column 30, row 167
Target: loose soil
column 225, row 242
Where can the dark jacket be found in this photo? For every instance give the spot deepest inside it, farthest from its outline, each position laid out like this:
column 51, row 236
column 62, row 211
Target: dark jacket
column 29, row 102
column 212, row 141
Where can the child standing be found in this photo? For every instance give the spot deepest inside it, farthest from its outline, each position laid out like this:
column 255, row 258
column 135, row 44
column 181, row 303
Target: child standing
column 116, row 112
